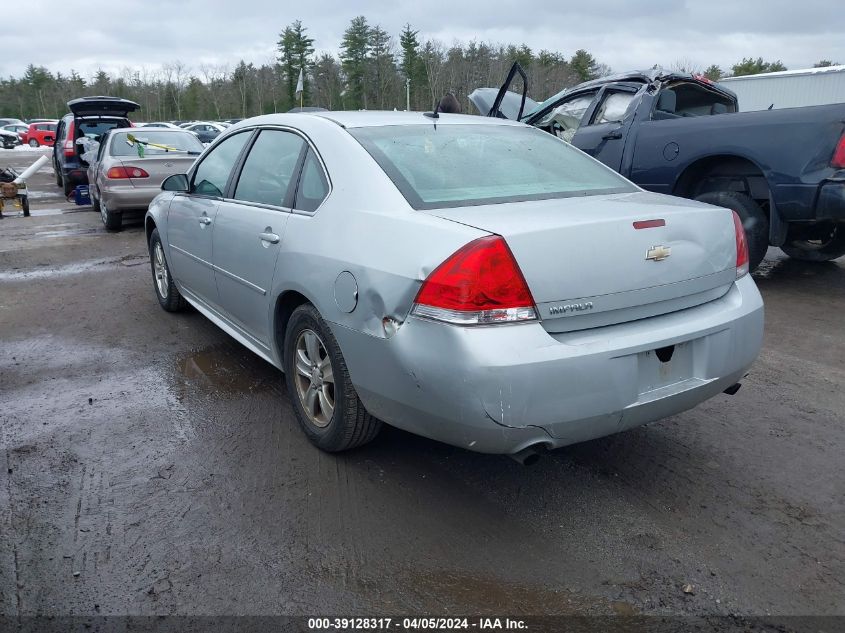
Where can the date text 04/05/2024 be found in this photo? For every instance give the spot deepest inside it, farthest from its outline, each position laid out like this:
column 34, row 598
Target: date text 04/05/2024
column 415, row 623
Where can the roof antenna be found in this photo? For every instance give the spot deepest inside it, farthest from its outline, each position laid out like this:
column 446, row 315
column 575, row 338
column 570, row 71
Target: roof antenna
column 434, row 115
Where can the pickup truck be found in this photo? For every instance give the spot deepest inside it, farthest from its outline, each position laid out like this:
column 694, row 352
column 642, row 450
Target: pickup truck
column 782, row 171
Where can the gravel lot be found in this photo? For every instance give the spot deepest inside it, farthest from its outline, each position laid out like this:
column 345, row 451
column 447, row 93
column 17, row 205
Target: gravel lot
column 151, row 465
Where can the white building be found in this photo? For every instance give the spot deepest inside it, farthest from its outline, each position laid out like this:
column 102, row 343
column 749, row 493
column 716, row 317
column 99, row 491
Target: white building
column 789, row 88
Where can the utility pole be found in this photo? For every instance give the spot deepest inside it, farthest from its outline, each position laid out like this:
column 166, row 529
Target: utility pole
column 408, row 94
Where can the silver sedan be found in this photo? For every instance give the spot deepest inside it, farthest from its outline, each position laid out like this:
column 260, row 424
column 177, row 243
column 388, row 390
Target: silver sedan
column 131, row 164
column 472, row 280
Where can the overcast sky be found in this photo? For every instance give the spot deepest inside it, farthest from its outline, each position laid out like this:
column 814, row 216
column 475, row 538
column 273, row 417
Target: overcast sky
column 89, row 34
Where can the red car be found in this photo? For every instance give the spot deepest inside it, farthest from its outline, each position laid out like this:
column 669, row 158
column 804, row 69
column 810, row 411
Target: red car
column 40, row 134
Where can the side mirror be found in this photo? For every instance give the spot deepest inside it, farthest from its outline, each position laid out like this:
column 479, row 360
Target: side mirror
column 176, row 182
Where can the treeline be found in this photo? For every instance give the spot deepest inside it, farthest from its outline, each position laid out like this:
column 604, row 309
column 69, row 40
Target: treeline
column 374, row 70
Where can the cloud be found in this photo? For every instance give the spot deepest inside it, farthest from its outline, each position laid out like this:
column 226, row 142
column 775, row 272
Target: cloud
column 623, row 34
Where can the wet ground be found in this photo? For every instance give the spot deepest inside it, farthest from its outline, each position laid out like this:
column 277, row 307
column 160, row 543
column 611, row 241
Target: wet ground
column 151, row 465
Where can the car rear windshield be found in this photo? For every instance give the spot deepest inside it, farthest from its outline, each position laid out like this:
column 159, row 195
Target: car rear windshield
column 465, row 165
column 94, row 128
column 154, row 143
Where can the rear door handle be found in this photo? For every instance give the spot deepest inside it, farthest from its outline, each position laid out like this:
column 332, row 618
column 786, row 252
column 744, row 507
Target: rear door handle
column 205, row 221
column 270, row 238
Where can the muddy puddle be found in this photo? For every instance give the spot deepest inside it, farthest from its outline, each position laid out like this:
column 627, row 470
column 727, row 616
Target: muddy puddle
column 476, row 593
column 228, row 371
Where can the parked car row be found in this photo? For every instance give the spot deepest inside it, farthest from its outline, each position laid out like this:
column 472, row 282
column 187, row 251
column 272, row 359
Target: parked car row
column 206, row 131
column 34, row 133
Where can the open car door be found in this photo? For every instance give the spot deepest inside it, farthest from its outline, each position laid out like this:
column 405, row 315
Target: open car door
column 503, row 103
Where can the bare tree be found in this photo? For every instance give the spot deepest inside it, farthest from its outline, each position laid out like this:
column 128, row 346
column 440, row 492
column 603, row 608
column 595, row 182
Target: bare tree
column 215, row 77
column 177, row 75
column 433, row 58
column 686, row 65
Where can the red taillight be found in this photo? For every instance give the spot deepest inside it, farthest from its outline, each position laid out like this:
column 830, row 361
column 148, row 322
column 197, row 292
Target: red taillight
column 741, row 247
column 838, row 159
column 118, row 173
column 479, row 284
column 69, row 147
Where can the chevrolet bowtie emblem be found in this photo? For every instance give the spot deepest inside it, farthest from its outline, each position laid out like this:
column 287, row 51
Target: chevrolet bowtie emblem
column 658, row 253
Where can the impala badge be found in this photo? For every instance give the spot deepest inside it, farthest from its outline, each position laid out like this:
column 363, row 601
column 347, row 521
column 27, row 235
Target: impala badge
column 658, row 253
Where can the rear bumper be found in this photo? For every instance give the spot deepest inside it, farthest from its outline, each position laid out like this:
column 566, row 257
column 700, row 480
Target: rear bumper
column 830, row 204
column 810, row 202
column 500, row 389
column 75, row 175
column 128, row 197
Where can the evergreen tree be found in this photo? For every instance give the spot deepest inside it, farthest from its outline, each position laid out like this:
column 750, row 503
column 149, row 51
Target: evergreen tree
column 354, row 51
column 295, row 52
column 382, row 64
column 584, row 65
column 412, row 66
column 713, row 72
column 751, row 66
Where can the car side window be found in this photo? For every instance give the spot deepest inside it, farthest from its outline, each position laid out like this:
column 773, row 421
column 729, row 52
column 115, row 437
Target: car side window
column 689, row 99
column 565, row 119
column 269, row 168
column 213, row 172
column 613, row 107
column 312, row 188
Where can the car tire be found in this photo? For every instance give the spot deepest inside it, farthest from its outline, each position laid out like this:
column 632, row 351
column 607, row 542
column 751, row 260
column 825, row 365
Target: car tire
column 167, row 293
column 830, row 245
column 25, row 206
column 328, row 409
column 58, row 173
column 112, row 220
column 67, row 187
column 753, row 218
column 33, row 142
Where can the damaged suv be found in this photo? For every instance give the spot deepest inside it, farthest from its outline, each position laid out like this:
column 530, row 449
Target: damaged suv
column 89, row 117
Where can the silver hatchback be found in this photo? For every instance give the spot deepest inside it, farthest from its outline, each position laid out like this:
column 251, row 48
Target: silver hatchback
column 472, row 280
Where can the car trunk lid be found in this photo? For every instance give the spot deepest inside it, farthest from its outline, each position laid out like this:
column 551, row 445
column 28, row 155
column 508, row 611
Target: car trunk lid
column 587, row 265
column 158, row 167
column 102, row 106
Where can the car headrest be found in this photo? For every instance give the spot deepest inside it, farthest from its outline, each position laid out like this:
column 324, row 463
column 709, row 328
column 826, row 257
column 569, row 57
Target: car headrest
column 667, row 101
column 718, row 108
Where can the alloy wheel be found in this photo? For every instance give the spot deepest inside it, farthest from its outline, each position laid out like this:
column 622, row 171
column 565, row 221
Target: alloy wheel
column 160, row 271
column 314, row 378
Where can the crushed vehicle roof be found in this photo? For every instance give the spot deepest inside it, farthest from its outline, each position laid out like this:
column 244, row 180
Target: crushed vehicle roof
column 637, row 76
